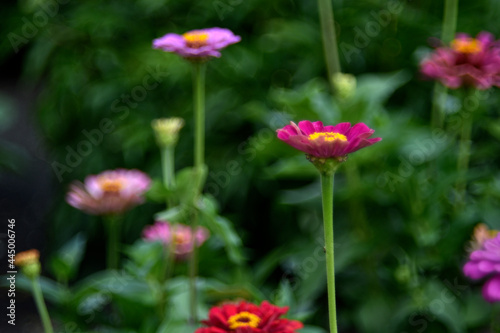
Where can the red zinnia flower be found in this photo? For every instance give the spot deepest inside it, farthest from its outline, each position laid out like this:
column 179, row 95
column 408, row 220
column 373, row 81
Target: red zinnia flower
column 327, row 141
column 473, row 62
column 246, row 317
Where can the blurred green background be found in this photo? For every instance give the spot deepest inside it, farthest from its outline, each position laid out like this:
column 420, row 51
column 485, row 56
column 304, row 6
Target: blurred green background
column 70, row 69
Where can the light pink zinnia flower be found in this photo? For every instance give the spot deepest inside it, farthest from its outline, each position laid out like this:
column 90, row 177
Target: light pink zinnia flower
column 197, row 43
column 473, row 62
column 110, row 192
column 182, row 236
column 327, row 142
column 485, row 262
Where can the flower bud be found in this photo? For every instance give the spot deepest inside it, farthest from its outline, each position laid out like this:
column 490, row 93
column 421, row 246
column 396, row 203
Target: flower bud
column 167, row 130
column 29, row 263
column 345, row 85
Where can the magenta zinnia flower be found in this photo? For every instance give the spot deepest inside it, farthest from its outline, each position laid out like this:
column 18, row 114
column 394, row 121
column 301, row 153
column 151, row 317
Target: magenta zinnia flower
column 485, row 262
column 327, row 142
column 197, row 43
column 182, row 236
column 110, row 192
column 246, row 317
column 473, row 62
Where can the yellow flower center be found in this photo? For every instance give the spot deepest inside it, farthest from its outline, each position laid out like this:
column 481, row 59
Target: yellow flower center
column 111, row 185
column 195, row 39
column 243, row 319
column 329, row 136
column 180, row 239
column 466, row 45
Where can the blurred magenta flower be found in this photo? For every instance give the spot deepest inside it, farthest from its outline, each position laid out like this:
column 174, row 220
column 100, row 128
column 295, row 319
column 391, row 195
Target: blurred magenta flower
column 473, row 62
column 197, row 43
column 182, row 236
column 329, row 142
column 110, row 192
column 481, row 234
column 485, row 262
column 244, row 317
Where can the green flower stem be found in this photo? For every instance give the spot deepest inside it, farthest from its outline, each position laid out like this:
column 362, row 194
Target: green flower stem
column 438, row 101
column 327, row 194
column 169, row 255
column 199, row 113
column 168, row 168
column 193, row 272
column 449, row 20
column 113, row 226
column 40, row 304
column 329, row 39
column 463, row 157
column 447, row 35
column 199, row 162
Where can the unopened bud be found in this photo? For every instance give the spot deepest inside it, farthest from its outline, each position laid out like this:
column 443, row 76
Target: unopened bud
column 29, row 263
column 345, row 85
column 167, row 130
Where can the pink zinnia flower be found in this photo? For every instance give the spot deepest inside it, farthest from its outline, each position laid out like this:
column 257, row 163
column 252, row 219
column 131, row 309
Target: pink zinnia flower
column 246, row 317
column 181, row 235
column 197, row 43
column 327, row 142
column 485, row 262
column 468, row 61
column 110, row 192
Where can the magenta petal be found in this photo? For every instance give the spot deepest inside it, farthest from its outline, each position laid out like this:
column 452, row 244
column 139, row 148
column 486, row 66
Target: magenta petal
column 218, row 38
column 341, row 128
column 491, row 289
column 358, row 130
column 308, row 127
column 326, row 145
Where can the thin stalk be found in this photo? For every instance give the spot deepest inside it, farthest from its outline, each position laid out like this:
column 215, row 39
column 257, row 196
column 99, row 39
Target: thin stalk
column 113, row 226
column 463, row 158
column 199, row 114
column 193, row 272
column 327, row 194
column 447, row 35
column 199, row 162
column 40, row 304
column 438, row 102
column 449, row 20
column 329, row 39
column 168, row 168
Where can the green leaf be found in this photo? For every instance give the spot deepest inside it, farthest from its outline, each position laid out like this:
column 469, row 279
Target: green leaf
column 190, row 183
column 223, row 228
column 158, row 192
column 64, row 264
